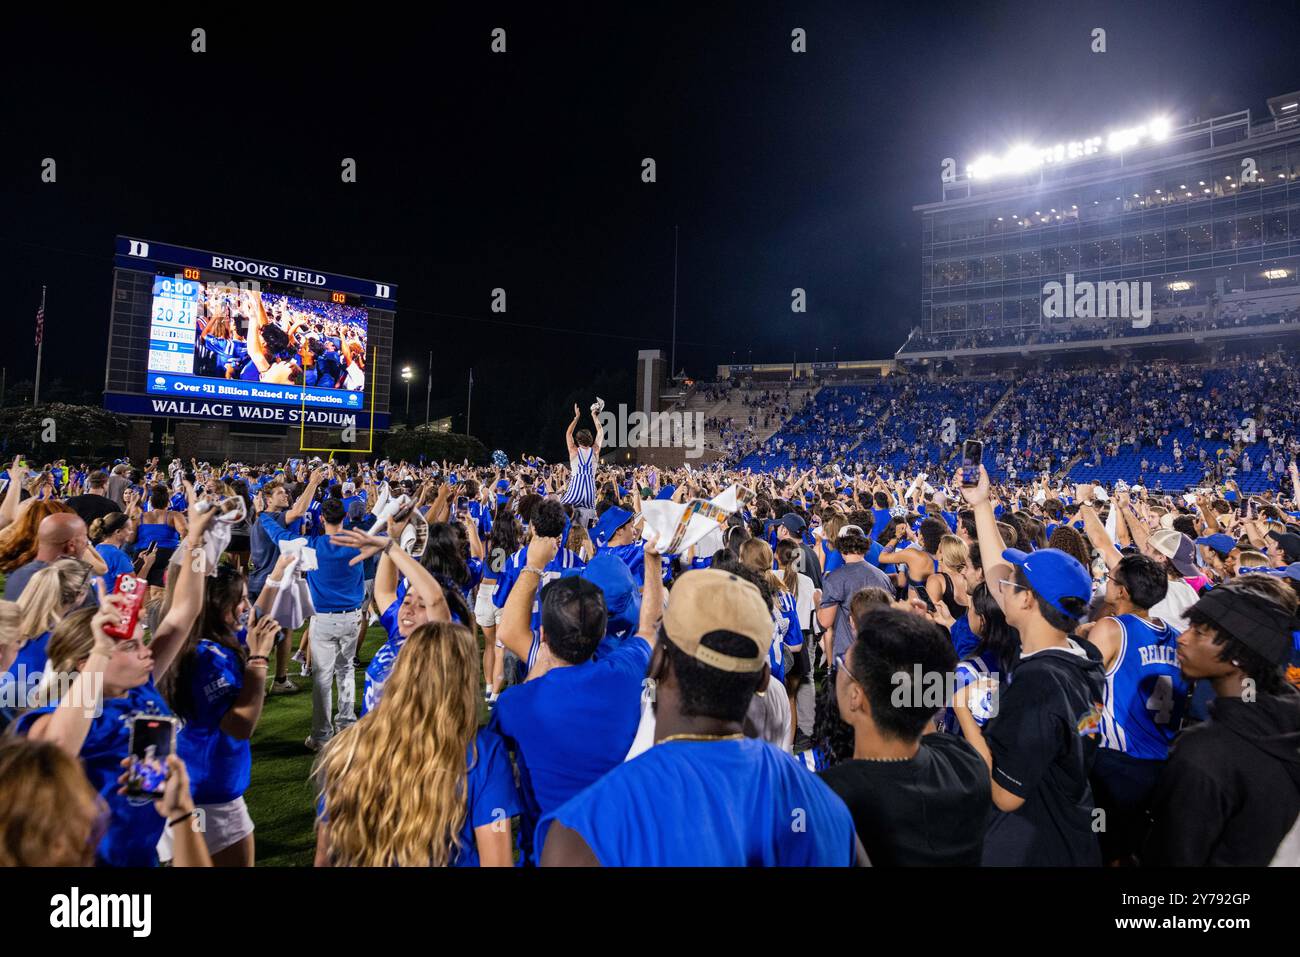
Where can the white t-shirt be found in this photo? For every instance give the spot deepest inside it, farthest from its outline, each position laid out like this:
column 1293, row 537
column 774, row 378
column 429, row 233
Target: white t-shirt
column 1173, row 607
column 355, row 379
column 804, row 600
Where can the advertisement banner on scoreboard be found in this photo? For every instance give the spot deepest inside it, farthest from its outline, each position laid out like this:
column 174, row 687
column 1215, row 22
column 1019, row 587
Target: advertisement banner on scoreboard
column 186, row 386
column 230, row 409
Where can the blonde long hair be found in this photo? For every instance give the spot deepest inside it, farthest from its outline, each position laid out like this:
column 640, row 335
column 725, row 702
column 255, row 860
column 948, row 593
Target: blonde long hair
column 49, row 592
column 394, row 784
column 756, row 555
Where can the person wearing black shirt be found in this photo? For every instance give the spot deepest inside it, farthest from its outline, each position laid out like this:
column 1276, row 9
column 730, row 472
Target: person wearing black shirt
column 95, row 503
column 1230, row 791
column 917, row 799
column 1040, row 745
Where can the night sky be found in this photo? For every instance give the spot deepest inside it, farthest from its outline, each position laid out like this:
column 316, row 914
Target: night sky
column 523, row 170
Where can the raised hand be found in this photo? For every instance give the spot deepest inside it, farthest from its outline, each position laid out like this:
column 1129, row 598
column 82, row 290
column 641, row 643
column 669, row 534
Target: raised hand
column 261, row 637
column 542, row 551
column 977, row 494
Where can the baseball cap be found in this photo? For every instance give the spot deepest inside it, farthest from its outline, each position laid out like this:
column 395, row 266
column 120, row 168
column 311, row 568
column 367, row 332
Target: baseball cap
column 855, row 531
column 1178, row 548
column 1053, row 575
column 793, row 523
column 1291, row 571
column 708, row 600
column 622, row 599
column 1221, row 543
column 1289, row 542
column 609, row 522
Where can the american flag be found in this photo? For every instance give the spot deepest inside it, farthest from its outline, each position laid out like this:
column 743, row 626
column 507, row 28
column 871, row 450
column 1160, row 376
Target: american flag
column 40, row 323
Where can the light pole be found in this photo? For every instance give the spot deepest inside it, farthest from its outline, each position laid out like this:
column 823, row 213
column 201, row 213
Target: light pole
column 407, row 376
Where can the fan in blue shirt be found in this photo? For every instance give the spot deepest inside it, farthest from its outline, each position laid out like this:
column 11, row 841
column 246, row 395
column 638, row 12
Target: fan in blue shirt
column 704, row 795
column 576, row 717
column 125, row 670
column 549, row 525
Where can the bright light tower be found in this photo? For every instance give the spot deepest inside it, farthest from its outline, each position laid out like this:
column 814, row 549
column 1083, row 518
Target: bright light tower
column 407, row 376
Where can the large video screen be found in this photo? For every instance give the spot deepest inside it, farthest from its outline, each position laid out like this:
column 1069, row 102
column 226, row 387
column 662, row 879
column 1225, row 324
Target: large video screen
column 217, row 340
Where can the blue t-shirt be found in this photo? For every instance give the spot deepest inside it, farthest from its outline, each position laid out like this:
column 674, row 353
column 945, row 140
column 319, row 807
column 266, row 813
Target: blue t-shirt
column 571, row 725
column 964, row 641
column 219, row 764
column 490, row 790
column 631, row 555
column 118, row 564
column 738, row 803
column 27, row 668
column 381, row 665
column 134, row 823
column 335, row 585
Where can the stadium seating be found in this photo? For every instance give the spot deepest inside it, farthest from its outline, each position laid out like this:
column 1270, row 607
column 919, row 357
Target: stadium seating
column 1163, row 425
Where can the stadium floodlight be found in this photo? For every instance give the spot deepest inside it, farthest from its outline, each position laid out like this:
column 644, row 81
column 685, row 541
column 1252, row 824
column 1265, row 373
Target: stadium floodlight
column 1179, row 285
column 1276, row 273
column 407, row 376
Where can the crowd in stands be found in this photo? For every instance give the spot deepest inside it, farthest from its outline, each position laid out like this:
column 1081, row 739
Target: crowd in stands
column 763, row 409
column 1167, row 425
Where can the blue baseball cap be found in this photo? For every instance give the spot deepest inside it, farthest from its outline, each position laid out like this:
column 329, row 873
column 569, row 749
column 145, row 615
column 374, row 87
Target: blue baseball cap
column 622, row 598
column 1221, row 543
column 609, row 522
column 1053, row 575
column 1291, row 571
column 666, row 492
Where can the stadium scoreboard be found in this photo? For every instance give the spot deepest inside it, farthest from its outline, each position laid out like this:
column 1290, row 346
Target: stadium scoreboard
column 210, row 336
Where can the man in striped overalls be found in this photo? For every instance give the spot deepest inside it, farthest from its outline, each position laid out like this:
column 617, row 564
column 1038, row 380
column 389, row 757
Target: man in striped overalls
column 584, row 456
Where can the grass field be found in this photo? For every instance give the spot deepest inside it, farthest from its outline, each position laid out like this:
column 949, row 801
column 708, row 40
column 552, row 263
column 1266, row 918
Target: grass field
column 280, row 797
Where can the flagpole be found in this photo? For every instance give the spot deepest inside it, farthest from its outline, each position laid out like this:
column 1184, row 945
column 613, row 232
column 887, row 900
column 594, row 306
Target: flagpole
column 428, row 390
column 469, row 400
column 672, row 362
column 40, row 344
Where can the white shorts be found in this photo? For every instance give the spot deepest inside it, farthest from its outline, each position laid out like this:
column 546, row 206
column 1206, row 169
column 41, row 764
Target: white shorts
column 223, row 826
column 487, row 614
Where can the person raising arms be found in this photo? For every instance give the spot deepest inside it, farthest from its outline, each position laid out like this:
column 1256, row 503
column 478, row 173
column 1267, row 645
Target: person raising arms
column 584, row 456
column 117, row 676
column 408, row 596
column 1041, row 745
